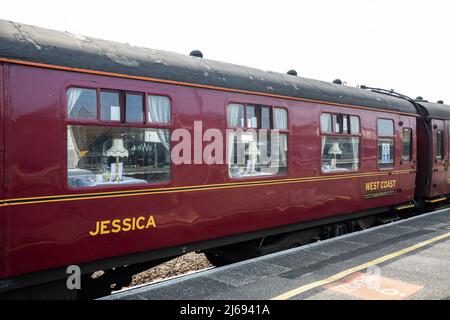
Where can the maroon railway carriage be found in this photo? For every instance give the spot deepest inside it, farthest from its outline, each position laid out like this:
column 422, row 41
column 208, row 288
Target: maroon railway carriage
column 88, row 127
column 433, row 180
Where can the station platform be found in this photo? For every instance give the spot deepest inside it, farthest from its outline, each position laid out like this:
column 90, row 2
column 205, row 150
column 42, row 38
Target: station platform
column 408, row 259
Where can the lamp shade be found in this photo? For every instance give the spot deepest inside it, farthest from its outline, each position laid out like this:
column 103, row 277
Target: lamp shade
column 252, row 148
column 335, row 149
column 117, row 149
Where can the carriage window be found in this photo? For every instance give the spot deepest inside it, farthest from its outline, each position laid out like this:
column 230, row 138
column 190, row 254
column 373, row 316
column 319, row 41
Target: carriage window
column 340, row 142
column 340, row 153
column 385, row 127
column 354, row 124
column 114, row 154
column 265, row 118
column 407, row 142
column 386, row 153
column 158, row 109
column 439, row 144
column 252, row 154
column 279, row 118
column 337, row 123
column 235, row 115
column 110, row 106
column 386, row 148
column 253, row 116
column 345, row 124
column 258, row 149
column 134, row 107
column 325, row 122
column 341, row 123
column 81, row 103
column 257, row 117
column 100, row 156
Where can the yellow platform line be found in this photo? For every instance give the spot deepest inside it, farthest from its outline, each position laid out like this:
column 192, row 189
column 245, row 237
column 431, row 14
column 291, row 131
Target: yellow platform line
column 345, row 273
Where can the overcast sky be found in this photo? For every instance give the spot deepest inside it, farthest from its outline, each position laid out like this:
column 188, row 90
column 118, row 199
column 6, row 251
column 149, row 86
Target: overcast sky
column 391, row 44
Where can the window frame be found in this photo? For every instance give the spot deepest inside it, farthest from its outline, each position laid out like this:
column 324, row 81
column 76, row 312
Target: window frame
column 245, row 128
column 158, row 124
column 64, row 109
column 441, row 159
column 336, row 134
column 410, row 144
column 349, row 115
column 393, row 137
column 121, row 105
column 98, row 122
column 143, row 95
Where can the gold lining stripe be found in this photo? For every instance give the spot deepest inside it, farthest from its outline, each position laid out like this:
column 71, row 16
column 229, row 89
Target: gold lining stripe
column 140, row 192
column 231, row 183
column 194, row 85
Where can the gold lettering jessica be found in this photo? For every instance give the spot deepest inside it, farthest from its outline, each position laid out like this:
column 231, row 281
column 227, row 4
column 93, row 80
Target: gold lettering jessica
column 122, row 225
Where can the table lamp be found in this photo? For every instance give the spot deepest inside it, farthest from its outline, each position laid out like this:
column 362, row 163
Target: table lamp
column 334, row 150
column 118, row 151
column 252, row 153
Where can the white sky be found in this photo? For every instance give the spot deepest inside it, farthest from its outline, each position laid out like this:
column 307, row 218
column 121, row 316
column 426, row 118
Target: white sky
column 391, row 44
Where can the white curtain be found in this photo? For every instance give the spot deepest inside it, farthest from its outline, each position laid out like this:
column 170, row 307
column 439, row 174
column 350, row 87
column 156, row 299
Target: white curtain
column 354, row 124
column 159, row 111
column 73, row 94
column 324, row 140
column 283, row 148
column 230, row 149
column 72, row 149
column 280, row 119
column 234, row 110
column 325, row 122
column 355, row 150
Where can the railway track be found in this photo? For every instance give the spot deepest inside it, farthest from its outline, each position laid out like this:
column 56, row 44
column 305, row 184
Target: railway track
column 185, row 264
column 161, row 279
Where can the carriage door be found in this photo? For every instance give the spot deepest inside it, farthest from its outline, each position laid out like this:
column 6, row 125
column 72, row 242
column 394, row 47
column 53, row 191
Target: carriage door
column 408, row 158
column 447, row 135
column 440, row 159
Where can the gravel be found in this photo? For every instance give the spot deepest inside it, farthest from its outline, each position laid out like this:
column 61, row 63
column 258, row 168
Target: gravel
column 178, row 266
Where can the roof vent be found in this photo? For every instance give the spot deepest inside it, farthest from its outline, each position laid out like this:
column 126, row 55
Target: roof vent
column 337, row 81
column 196, row 53
column 292, row 72
column 440, row 102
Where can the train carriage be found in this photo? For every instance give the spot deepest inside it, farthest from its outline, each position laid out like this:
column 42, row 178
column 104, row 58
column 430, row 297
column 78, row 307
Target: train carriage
column 433, row 181
column 89, row 129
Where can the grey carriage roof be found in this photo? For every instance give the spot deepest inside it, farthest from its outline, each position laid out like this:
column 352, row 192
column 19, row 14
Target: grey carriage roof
column 435, row 110
column 35, row 44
